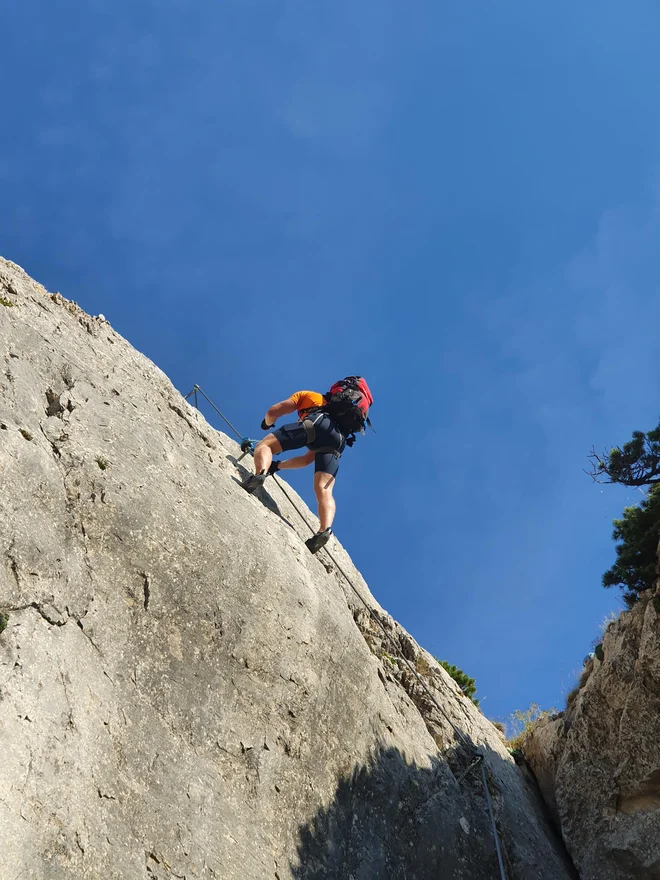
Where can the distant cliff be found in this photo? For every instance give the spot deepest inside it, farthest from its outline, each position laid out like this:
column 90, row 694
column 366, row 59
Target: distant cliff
column 185, row 690
column 598, row 764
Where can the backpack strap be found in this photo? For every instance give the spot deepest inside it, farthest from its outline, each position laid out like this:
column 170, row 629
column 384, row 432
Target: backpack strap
column 309, row 423
column 328, row 450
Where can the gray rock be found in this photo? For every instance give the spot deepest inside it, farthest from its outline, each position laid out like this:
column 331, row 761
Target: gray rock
column 598, row 765
column 186, row 690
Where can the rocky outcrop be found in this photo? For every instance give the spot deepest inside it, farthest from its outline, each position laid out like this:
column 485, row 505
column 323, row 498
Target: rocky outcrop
column 598, row 763
column 185, row 690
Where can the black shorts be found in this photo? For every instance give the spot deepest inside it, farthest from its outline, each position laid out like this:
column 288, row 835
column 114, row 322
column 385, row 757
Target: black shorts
column 294, row 436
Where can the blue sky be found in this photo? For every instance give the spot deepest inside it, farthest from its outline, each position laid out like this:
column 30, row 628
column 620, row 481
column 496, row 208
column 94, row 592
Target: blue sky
column 461, row 202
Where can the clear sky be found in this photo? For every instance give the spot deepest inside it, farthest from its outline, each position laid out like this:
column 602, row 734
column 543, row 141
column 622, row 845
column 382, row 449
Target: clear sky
column 459, row 201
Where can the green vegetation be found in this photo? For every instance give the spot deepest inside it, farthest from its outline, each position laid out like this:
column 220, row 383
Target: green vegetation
column 462, row 679
column 4, row 620
column 584, row 676
column 638, row 532
column 6, row 302
column 571, row 697
column 587, row 669
column 636, row 463
column 25, row 433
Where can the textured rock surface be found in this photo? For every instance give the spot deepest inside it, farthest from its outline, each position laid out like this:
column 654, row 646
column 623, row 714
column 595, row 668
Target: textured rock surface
column 598, row 765
column 185, row 690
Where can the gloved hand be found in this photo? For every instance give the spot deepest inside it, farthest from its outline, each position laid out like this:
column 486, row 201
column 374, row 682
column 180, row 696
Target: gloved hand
column 265, row 426
column 350, row 440
column 274, row 468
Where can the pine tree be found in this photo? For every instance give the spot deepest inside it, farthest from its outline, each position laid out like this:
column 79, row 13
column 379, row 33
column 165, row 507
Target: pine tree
column 638, row 532
column 636, row 463
column 462, row 679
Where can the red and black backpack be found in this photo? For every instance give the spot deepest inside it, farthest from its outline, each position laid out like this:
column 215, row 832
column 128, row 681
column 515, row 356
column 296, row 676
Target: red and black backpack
column 347, row 404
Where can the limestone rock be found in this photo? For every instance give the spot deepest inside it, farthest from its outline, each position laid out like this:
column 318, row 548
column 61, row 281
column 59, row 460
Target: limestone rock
column 598, row 764
column 185, row 690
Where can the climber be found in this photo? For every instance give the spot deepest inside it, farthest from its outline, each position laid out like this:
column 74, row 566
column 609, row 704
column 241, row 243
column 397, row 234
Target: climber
column 326, row 425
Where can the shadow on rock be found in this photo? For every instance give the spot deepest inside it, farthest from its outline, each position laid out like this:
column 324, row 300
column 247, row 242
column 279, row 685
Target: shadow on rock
column 392, row 820
column 261, row 494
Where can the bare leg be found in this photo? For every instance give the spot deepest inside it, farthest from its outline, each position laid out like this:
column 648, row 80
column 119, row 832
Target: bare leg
column 263, row 454
column 299, row 461
column 323, row 486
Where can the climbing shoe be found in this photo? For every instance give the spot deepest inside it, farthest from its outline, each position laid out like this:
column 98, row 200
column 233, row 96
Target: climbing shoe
column 274, row 468
column 320, row 539
column 253, row 482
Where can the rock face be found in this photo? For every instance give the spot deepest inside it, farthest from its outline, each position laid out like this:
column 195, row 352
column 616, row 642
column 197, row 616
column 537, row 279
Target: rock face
column 598, row 765
column 185, row 690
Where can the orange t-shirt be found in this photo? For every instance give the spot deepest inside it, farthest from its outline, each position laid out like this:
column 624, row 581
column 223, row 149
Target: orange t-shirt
column 306, row 400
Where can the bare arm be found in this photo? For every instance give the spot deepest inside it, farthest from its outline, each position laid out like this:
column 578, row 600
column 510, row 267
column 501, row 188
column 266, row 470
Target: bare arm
column 283, row 408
